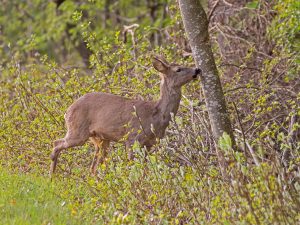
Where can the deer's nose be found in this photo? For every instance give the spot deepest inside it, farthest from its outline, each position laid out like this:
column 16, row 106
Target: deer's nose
column 197, row 71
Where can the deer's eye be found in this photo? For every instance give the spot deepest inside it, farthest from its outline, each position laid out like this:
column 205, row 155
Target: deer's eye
column 178, row 70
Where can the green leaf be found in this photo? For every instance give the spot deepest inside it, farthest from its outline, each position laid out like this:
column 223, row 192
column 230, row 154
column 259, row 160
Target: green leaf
column 225, row 142
column 252, row 5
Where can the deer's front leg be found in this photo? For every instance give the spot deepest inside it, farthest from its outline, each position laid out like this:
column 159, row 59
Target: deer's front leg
column 143, row 140
column 95, row 160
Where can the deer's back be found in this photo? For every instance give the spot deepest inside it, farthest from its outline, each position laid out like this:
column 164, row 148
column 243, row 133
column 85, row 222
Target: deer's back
column 108, row 116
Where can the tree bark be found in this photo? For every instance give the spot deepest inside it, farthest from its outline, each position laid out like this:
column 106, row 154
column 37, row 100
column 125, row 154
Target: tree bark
column 196, row 27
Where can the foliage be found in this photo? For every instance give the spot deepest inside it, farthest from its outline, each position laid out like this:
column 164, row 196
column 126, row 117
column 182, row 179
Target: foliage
column 286, row 30
column 286, row 26
column 60, row 28
column 180, row 182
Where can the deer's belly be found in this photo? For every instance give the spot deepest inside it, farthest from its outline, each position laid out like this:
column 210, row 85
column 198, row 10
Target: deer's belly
column 108, row 133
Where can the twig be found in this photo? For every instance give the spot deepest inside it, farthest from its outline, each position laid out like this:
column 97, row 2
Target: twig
column 227, row 3
column 37, row 100
column 241, row 67
column 239, row 87
column 240, row 124
column 213, row 10
column 252, row 154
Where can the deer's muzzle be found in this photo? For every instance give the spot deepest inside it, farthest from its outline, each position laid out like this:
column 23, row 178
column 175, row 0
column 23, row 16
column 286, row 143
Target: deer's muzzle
column 197, row 71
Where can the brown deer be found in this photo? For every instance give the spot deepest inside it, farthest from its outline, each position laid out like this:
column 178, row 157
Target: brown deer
column 103, row 118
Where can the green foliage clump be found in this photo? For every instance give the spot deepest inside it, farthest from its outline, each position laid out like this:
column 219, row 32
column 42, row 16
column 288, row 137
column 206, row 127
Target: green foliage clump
column 285, row 30
column 286, row 25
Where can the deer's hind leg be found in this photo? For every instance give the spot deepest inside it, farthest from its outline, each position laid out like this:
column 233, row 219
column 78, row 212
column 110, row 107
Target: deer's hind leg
column 64, row 143
column 101, row 150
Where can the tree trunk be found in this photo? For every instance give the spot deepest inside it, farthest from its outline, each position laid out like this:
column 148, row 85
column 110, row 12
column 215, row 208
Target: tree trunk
column 196, row 26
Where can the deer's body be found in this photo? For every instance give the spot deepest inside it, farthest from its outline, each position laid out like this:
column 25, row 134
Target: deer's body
column 104, row 117
column 111, row 117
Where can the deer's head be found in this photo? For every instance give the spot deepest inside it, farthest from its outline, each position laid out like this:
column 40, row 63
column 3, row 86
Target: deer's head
column 174, row 75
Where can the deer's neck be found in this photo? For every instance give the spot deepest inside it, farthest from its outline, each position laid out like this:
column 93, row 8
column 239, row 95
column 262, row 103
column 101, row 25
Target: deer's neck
column 168, row 102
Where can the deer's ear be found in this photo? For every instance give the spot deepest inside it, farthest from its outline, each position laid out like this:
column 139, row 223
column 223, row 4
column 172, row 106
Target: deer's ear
column 160, row 64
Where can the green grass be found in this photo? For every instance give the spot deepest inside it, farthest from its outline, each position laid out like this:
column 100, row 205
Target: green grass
column 27, row 199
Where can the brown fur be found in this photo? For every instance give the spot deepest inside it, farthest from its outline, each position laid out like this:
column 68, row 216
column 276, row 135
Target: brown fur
column 104, row 117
